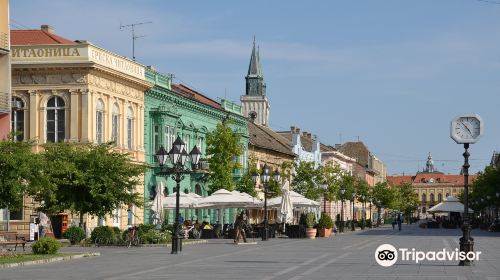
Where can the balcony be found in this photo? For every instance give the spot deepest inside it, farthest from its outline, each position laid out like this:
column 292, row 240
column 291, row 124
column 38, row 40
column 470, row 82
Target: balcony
column 202, row 167
column 4, row 43
column 4, row 103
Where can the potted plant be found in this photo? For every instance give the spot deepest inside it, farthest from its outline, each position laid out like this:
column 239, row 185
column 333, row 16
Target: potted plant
column 325, row 225
column 310, row 223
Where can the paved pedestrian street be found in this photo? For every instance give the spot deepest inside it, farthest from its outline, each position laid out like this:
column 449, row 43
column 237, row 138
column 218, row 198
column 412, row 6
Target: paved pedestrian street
column 346, row 256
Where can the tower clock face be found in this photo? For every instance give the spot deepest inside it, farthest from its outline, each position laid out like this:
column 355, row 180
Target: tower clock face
column 467, row 128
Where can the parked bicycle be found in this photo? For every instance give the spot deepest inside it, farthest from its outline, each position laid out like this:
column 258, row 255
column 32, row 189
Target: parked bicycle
column 132, row 237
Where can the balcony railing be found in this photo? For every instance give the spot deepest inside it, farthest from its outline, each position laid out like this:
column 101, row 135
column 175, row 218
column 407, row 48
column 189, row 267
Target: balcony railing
column 4, row 42
column 4, row 102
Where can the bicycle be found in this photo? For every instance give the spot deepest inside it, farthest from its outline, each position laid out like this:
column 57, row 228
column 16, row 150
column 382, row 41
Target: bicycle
column 186, row 231
column 132, row 237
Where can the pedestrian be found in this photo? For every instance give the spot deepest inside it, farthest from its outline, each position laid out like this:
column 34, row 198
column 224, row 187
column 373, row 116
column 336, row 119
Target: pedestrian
column 239, row 228
column 394, row 222
column 399, row 220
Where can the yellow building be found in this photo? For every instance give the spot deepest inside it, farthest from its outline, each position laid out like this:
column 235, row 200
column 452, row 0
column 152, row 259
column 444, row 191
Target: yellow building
column 74, row 91
column 4, row 69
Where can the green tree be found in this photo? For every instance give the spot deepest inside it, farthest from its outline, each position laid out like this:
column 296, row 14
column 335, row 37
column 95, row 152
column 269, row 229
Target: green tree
column 407, row 199
column 223, row 147
column 88, row 179
column 382, row 196
column 304, row 181
column 484, row 189
column 246, row 184
column 20, row 172
column 330, row 175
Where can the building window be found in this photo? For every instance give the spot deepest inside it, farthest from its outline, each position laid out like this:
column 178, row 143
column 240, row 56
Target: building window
column 116, row 217
column 200, row 144
column 169, row 135
column 424, row 198
column 130, row 215
column 187, row 141
column 130, row 126
column 17, row 118
column 115, row 124
column 432, row 197
column 16, row 215
column 447, row 194
column 55, row 119
column 440, row 197
column 99, row 121
column 156, row 140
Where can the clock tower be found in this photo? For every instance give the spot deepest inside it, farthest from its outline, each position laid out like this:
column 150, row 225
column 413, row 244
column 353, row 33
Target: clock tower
column 254, row 102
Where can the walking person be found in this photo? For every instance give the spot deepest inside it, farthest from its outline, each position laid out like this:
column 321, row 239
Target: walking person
column 394, row 222
column 239, row 228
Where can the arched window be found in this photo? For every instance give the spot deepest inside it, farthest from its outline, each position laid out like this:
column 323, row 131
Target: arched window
column 130, row 128
column 115, row 124
column 17, row 118
column 447, row 194
column 440, row 197
column 55, row 119
column 424, row 198
column 432, row 198
column 99, row 121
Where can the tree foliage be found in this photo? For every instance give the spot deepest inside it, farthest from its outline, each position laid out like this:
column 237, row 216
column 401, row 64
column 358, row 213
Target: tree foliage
column 304, row 181
column 484, row 189
column 20, row 172
column 88, row 179
column 407, row 199
column 246, row 184
column 330, row 175
column 223, row 147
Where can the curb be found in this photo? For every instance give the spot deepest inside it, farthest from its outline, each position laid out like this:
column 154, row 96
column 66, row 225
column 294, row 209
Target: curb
column 50, row 260
column 204, row 241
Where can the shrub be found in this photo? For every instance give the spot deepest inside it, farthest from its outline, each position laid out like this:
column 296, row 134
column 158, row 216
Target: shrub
column 310, row 220
column 46, row 246
column 74, row 234
column 325, row 221
column 103, row 233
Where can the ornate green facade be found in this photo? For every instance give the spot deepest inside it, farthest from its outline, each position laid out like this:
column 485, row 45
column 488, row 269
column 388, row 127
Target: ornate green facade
column 176, row 110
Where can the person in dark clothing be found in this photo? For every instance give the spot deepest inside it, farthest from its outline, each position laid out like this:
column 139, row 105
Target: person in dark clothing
column 239, row 228
column 399, row 221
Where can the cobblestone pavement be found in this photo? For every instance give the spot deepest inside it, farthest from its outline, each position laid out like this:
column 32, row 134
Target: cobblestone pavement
column 346, row 256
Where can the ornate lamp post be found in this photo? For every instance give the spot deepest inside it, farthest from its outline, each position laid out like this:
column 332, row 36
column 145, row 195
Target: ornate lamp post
column 363, row 197
column 178, row 157
column 353, row 196
column 342, row 191
column 264, row 178
column 371, row 217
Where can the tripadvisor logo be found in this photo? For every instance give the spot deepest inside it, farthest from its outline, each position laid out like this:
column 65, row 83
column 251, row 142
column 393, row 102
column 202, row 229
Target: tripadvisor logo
column 387, row 255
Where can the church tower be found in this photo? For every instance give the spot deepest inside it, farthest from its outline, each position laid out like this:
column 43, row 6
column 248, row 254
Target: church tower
column 254, row 102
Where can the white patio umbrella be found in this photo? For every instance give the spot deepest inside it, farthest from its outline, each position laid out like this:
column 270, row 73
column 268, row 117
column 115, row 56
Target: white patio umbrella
column 298, row 201
column 450, row 204
column 157, row 206
column 185, row 200
column 255, row 202
column 223, row 199
column 286, row 207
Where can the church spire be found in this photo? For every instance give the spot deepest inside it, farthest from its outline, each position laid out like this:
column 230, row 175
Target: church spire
column 429, row 166
column 254, row 68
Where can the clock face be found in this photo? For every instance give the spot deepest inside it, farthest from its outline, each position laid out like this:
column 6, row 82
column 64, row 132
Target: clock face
column 466, row 128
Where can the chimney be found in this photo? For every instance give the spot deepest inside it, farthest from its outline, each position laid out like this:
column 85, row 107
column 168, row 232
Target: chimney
column 304, row 133
column 47, row 28
column 292, row 129
column 309, row 135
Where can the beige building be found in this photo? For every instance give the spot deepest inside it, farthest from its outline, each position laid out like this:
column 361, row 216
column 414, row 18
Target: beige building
column 74, row 91
column 4, row 69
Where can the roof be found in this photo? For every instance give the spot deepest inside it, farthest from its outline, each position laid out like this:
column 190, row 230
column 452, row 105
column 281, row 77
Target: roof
column 37, row 37
column 264, row 137
column 306, row 142
column 429, row 178
column 190, row 93
column 357, row 150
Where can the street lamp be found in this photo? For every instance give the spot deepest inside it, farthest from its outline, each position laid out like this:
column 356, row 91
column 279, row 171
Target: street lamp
column 342, row 191
column 353, row 196
column 371, row 217
column 178, row 157
column 264, row 178
column 363, row 197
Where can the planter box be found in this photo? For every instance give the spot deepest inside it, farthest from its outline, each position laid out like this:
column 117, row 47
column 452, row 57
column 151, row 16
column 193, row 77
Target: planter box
column 325, row 232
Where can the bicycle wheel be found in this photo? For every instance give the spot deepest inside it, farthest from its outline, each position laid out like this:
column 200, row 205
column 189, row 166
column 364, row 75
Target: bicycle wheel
column 135, row 241
column 196, row 234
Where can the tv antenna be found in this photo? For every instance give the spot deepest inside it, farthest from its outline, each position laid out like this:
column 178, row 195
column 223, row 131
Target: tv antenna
column 134, row 37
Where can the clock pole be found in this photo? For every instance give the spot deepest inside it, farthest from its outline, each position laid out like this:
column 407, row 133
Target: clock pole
column 466, row 241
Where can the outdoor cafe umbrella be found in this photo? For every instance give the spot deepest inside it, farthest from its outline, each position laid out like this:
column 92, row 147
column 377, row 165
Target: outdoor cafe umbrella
column 222, row 199
column 185, row 200
column 298, row 201
column 286, row 207
column 158, row 204
column 450, row 204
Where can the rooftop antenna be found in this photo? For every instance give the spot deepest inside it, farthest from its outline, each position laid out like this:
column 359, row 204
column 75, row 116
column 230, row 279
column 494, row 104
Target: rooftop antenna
column 134, row 37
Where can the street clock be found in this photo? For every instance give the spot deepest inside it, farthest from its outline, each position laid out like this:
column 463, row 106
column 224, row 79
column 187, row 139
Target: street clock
column 466, row 128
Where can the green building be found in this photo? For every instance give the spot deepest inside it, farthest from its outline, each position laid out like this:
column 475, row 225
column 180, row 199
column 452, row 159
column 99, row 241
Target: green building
column 172, row 110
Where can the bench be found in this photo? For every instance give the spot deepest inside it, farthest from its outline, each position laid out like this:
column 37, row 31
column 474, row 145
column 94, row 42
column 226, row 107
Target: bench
column 12, row 238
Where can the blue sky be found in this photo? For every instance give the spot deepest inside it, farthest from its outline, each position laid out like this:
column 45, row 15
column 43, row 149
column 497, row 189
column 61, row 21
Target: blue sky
column 393, row 73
